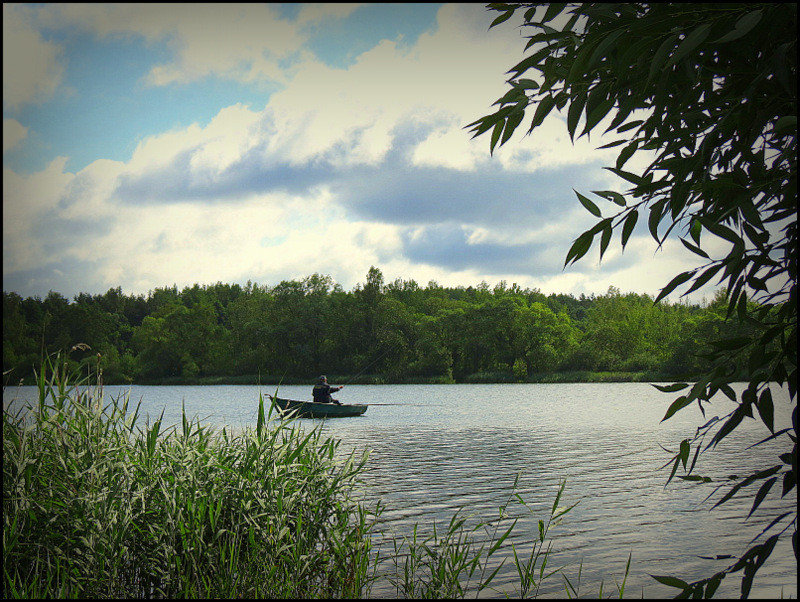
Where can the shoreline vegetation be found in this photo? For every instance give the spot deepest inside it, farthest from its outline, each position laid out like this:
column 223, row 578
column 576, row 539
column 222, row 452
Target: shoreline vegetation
column 377, row 379
column 96, row 504
column 383, row 333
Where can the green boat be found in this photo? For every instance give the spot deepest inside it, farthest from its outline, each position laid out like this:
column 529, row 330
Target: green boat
column 310, row 409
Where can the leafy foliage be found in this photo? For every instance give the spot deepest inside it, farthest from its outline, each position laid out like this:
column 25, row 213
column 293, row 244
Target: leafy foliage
column 398, row 331
column 708, row 94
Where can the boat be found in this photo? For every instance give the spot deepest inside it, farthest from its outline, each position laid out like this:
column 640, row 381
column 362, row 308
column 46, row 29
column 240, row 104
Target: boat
column 311, row 409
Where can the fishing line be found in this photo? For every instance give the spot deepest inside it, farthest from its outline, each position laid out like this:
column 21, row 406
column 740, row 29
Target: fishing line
column 367, row 366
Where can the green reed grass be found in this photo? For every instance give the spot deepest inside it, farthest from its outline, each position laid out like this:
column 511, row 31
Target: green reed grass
column 463, row 561
column 96, row 504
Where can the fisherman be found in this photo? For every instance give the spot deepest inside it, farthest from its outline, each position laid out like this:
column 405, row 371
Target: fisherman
column 322, row 391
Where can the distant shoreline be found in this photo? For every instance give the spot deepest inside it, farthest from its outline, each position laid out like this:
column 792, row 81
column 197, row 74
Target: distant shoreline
column 374, row 379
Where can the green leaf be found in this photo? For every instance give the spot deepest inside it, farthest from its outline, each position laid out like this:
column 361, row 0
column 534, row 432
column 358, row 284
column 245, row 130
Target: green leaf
column 695, row 249
column 597, row 114
column 629, row 126
column 542, row 109
column 670, row 581
column 671, row 388
column 504, row 17
column 660, row 57
column 558, row 496
column 626, row 153
column 742, row 27
column 606, row 43
column 626, row 175
column 704, row 278
column 500, row 541
column 614, row 197
column 528, row 84
column 498, row 129
column 785, row 123
column 736, row 417
column 713, row 584
column 674, row 283
column 574, row 113
column 763, row 474
column 695, row 478
column 612, row 144
column 656, row 213
column 762, row 493
column 579, row 248
column 683, row 454
column 722, row 231
column 696, row 37
column 512, row 122
column 729, row 393
column 553, row 10
column 531, row 61
column 789, row 482
column 577, row 67
column 628, row 225
column 766, row 409
column 676, row 406
column 562, row 511
column 588, row 204
column 513, row 95
column 694, row 230
column 605, row 238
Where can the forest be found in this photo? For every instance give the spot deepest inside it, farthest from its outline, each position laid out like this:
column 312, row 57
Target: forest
column 397, row 332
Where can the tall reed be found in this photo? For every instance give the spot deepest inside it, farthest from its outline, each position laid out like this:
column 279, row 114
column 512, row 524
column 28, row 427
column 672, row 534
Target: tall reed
column 463, row 560
column 96, row 505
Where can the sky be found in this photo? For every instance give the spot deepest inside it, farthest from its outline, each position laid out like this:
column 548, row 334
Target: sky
column 157, row 144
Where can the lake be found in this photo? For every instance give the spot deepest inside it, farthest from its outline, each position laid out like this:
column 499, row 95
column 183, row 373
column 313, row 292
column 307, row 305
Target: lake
column 448, row 446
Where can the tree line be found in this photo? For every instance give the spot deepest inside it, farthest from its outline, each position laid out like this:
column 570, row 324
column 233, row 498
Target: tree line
column 395, row 332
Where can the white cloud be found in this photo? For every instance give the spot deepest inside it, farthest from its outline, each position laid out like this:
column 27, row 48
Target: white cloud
column 31, row 67
column 27, row 200
column 13, row 133
column 338, row 118
column 245, row 42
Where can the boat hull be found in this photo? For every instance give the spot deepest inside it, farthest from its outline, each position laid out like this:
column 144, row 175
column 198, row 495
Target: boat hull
column 310, row 409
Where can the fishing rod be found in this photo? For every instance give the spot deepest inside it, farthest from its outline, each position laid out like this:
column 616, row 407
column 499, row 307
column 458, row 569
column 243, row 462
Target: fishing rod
column 405, row 404
column 367, row 366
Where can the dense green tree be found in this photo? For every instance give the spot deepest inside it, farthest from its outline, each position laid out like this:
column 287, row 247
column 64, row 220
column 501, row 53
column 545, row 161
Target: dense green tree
column 708, row 92
column 179, row 341
column 543, row 339
column 251, row 344
column 432, row 356
column 20, row 350
column 397, row 332
column 396, row 337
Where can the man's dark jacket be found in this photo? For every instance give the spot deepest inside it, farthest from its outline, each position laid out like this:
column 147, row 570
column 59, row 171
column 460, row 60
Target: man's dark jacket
column 322, row 392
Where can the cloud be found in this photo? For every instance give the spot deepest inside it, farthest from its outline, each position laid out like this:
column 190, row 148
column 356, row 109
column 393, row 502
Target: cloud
column 32, row 69
column 343, row 169
column 450, row 246
column 13, row 133
column 246, row 42
column 27, row 200
column 318, row 13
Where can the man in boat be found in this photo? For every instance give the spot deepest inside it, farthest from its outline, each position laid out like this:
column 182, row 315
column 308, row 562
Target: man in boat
column 322, row 391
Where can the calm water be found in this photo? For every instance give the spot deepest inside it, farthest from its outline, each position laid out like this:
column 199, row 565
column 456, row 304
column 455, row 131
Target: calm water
column 451, row 446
